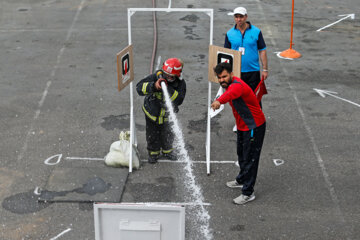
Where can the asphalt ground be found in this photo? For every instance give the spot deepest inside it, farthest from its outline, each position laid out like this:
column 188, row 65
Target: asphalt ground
column 59, row 96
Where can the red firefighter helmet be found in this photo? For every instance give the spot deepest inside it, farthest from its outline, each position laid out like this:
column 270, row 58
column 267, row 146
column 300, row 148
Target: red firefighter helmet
column 173, row 67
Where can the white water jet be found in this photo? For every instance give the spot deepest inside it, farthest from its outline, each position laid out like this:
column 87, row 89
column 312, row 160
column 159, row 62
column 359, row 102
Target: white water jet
column 179, row 144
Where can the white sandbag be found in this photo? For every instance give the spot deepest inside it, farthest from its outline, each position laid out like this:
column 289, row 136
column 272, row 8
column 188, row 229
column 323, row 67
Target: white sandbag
column 119, row 156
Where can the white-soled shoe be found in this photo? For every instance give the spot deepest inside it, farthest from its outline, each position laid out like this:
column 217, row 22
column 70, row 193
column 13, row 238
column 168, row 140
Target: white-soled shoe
column 234, row 184
column 242, row 199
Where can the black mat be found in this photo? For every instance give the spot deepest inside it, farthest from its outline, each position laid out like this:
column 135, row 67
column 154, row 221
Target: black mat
column 84, row 181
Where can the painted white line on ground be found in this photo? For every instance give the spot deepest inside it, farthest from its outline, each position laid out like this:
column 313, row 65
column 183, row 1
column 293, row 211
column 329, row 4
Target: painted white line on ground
column 219, row 162
column 47, row 161
column 278, row 162
column 169, row 203
column 37, row 191
column 320, row 161
column 49, row 2
column 48, row 84
column 84, row 158
column 345, row 16
column 204, row 162
column 144, row 160
column 60, row 234
column 323, row 93
column 267, row 25
column 268, row 31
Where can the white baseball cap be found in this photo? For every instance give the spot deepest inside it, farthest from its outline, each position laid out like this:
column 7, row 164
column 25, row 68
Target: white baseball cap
column 238, row 10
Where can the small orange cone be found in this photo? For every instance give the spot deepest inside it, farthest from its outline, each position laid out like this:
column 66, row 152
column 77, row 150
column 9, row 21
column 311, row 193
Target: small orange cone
column 290, row 53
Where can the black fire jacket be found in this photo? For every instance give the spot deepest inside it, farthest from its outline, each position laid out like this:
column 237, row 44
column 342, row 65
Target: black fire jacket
column 154, row 103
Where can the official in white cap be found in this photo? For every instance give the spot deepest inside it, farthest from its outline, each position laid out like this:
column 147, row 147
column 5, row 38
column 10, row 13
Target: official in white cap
column 239, row 10
column 248, row 39
column 242, row 37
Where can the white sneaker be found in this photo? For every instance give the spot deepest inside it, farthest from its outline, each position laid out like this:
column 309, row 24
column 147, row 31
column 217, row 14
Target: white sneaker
column 235, row 128
column 234, row 184
column 242, row 199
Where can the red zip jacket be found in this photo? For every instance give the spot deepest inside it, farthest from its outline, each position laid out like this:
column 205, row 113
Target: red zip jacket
column 244, row 104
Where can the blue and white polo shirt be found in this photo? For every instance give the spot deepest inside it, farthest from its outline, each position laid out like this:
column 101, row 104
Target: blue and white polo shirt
column 252, row 41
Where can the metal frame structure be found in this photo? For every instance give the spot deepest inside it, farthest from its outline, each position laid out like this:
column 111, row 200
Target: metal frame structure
column 132, row 11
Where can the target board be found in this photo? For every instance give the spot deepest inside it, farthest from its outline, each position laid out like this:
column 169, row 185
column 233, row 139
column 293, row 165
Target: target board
column 218, row 55
column 125, row 67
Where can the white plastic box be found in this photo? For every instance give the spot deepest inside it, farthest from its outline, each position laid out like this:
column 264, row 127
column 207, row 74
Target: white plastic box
column 139, row 221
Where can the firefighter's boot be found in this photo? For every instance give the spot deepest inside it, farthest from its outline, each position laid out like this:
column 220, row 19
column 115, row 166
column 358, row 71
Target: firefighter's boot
column 153, row 157
column 169, row 155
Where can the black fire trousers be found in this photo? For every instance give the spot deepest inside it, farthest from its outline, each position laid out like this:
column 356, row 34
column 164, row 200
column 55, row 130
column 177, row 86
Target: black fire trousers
column 249, row 144
column 159, row 137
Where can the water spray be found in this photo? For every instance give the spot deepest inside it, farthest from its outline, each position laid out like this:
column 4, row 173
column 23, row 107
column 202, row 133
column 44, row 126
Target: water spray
column 179, row 144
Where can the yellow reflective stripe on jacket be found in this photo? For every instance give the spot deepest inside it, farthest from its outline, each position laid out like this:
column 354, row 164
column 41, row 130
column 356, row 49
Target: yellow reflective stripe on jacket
column 161, row 117
column 158, row 95
column 144, row 88
column 148, row 114
column 174, row 96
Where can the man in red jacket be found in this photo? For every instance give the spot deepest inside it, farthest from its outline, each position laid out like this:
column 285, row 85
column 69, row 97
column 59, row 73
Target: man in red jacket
column 251, row 125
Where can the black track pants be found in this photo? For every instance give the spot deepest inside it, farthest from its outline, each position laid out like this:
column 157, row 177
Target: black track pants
column 249, row 144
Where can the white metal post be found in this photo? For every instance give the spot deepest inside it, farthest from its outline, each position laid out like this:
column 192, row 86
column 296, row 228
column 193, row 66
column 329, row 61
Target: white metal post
column 208, row 132
column 210, row 13
column 132, row 130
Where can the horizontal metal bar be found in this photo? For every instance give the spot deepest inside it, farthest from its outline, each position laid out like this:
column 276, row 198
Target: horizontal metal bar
column 206, row 10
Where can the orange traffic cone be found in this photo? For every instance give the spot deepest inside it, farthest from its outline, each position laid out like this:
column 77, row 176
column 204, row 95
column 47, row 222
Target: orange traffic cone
column 291, row 53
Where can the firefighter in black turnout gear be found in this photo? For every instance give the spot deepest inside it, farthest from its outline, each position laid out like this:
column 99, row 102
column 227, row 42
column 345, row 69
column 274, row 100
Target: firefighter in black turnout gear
column 159, row 135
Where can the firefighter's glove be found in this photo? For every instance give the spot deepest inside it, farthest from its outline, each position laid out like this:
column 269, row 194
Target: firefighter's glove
column 158, row 83
column 176, row 109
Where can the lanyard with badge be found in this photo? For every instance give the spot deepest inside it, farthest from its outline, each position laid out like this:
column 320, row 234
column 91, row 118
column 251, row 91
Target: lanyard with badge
column 242, row 49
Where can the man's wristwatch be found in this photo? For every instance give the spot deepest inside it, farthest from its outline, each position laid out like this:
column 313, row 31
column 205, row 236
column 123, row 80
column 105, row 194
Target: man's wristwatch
column 265, row 70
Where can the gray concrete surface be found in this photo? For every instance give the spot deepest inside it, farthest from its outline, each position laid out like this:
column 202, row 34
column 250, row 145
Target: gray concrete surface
column 59, row 96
